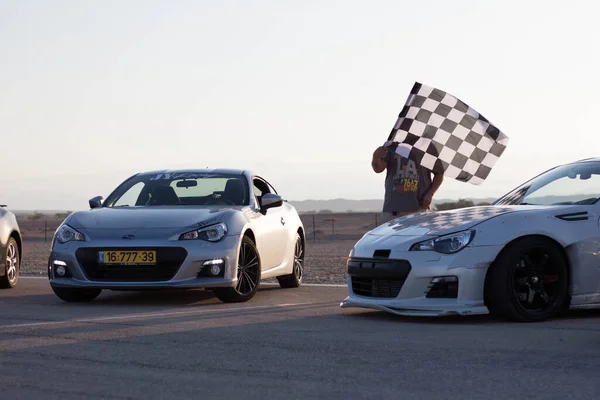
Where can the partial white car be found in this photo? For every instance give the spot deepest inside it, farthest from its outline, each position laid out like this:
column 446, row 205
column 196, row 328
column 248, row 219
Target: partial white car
column 223, row 230
column 11, row 248
column 529, row 256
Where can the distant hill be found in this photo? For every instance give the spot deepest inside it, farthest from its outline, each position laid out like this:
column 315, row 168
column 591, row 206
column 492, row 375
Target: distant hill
column 309, row 206
column 33, row 212
column 368, row 205
column 337, row 205
column 372, row 205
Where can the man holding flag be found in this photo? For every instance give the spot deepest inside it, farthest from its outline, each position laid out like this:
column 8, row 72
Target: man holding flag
column 408, row 186
column 435, row 134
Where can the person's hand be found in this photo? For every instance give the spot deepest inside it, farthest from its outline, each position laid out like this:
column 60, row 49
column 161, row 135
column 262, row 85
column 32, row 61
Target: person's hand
column 380, row 152
column 379, row 162
column 426, row 201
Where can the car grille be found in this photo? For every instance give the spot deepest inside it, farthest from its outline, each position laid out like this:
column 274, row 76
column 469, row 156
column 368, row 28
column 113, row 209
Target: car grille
column 382, row 288
column 374, row 277
column 169, row 259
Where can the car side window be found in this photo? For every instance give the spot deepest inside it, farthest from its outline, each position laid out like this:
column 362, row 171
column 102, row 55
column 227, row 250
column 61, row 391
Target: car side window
column 260, row 188
column 271, row 189
column 257, row 191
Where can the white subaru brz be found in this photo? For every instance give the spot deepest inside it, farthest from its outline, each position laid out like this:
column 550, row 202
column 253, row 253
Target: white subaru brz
column 529, row 256
column 223, row 230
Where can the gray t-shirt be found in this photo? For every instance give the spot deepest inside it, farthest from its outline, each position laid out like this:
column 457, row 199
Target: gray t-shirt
column 405, row 183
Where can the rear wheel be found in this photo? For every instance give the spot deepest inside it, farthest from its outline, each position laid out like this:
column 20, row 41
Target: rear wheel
column 77, row 295
column 12, row 265
column 528, row 282
column 248, row 275
column 294, row 279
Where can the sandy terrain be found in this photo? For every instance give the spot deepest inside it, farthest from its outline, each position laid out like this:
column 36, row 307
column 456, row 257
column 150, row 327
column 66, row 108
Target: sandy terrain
column 325, row 257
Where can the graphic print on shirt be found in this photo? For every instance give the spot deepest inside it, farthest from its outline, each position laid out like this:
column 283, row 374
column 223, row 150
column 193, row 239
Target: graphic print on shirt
column 406, row 178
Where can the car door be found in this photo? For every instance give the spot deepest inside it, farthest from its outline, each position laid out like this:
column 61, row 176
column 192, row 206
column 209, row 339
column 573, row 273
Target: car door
column 585, row 254
column 272, row 224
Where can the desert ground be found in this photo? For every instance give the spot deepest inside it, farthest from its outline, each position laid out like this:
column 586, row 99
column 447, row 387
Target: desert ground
column 330, row 237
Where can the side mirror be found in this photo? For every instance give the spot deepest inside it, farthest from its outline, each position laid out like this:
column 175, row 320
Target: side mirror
column 96, row 202
column 270, row 200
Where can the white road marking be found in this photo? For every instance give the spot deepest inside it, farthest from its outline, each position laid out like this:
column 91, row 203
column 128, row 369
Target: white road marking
column 33, row 324
column 324, row 285
column 150, row 315
column 308, row 284
column 262, row 284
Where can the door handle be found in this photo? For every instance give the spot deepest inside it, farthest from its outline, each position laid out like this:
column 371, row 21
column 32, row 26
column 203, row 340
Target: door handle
column 282, row 221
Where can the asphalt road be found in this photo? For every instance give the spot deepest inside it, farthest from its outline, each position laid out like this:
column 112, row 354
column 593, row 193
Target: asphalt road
column 283, row 344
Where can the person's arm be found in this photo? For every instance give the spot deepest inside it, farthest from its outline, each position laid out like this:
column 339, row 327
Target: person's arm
column 379, row 161
column 435, row 185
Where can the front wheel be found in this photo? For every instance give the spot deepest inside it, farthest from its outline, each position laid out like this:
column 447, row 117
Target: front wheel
column 248, row 275
column 12, row 265
column 76, row 295
column 294, row 279
column 528, row 282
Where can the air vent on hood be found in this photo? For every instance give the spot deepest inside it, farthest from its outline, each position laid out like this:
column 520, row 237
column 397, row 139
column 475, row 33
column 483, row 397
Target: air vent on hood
column 577, row 216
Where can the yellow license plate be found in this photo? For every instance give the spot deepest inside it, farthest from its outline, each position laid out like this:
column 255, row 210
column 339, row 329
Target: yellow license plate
column 147, row 257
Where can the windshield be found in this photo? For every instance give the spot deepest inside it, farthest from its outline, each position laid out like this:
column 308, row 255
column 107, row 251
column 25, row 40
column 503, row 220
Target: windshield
column 568, row 184
column 181, row 189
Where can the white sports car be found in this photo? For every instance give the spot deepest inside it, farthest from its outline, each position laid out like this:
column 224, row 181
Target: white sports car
column 532, row 254
column 223, row 230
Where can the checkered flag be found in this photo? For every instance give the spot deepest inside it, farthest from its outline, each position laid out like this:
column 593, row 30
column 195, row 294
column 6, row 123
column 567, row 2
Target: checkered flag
column 446, row 136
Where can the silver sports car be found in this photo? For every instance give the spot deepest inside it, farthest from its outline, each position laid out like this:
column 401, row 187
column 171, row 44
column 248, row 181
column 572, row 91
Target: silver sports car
column 11, row 248
column 223, row 230
column 531, row 255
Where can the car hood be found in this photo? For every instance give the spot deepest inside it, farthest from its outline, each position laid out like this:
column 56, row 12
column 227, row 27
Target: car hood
column 403, row 232
column 434, row 223
column 146, row 218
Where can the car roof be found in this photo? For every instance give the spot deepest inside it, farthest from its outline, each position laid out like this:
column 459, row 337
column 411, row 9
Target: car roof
column 231, row 171
column 591, row 159
column 582, row 161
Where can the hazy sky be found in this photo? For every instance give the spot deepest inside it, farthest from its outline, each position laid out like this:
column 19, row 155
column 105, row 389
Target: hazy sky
column 300, row 91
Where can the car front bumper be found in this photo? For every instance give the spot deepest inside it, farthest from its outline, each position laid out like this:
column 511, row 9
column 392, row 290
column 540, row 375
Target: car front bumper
column 182, row 265
column 404, row 284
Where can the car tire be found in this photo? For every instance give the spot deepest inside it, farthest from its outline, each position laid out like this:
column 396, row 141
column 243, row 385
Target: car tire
column 76, row 295
column 534, row 268
column 294, row 279
column 12, row 265
column 248, row 274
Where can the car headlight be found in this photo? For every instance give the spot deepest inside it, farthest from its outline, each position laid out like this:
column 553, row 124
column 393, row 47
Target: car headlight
column 212, row 233
column 66, row 234
column 446, row 244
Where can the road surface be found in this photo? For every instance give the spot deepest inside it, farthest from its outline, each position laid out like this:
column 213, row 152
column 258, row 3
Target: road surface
column 283, row 344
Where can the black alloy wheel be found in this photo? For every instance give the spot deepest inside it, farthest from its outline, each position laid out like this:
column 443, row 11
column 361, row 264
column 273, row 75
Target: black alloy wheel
column 529, row 281
column 248, row 275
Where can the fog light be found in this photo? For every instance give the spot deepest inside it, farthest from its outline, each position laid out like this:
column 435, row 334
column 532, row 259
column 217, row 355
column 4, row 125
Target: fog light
column 444, row 279
column 215, row 266
column 443, row 287
column 60, row 267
